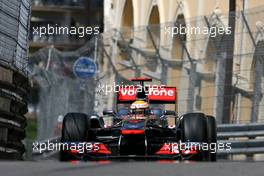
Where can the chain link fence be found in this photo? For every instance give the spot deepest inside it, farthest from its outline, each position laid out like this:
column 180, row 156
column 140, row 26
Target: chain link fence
column 56, row 90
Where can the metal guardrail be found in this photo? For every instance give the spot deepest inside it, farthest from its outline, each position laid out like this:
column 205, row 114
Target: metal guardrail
column 244, row 138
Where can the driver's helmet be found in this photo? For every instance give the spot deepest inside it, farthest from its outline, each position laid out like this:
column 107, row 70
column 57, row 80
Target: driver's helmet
column 139, row 109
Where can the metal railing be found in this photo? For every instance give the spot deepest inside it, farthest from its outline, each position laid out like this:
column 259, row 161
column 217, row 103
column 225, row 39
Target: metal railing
column 244, row 138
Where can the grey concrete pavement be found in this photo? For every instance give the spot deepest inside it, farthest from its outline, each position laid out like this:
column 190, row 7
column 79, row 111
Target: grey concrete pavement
column 53, row 168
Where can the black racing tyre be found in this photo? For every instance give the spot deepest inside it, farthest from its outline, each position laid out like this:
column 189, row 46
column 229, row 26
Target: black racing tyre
column 74, row 129
column 194, row 129
column 211, row 136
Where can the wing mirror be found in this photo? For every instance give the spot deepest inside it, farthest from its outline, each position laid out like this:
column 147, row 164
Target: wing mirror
column 108, row 112
column 168, row 112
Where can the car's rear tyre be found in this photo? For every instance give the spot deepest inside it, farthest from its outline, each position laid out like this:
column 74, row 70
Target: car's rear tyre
column 194, row 129
column 211, row 136
column 74, row 129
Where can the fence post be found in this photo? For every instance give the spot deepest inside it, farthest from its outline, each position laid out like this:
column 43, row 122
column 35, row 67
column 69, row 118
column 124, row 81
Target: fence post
column 257, row 88
column 219, row 80
column 192, row 80
column 258, row 74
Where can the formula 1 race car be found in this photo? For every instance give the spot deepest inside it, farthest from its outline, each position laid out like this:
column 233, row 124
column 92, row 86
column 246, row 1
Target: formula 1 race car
column 141, row 129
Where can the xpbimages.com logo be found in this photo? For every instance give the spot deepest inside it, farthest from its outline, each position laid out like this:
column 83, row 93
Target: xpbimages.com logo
column 63, row 30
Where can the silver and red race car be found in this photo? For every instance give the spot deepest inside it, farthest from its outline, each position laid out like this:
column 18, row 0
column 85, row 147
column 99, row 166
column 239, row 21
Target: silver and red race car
column 142, row 129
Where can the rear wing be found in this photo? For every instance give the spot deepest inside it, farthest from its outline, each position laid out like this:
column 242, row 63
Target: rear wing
column 154, row 94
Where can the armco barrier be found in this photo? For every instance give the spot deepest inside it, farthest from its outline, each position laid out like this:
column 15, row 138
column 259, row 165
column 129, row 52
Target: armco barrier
column 14, row 85
column 244, row 138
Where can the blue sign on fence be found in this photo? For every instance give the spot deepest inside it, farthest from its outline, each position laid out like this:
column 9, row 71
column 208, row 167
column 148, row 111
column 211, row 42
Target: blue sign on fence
column 84, row 68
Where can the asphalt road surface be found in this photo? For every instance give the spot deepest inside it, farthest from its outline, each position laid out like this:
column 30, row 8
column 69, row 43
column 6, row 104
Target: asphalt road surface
column 53, row 168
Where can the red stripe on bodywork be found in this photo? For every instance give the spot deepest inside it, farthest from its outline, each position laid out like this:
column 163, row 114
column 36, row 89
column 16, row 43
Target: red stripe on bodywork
column 132, row 131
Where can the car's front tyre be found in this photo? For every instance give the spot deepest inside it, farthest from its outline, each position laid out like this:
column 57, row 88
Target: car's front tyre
column 74, row 129
column 194, row 130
